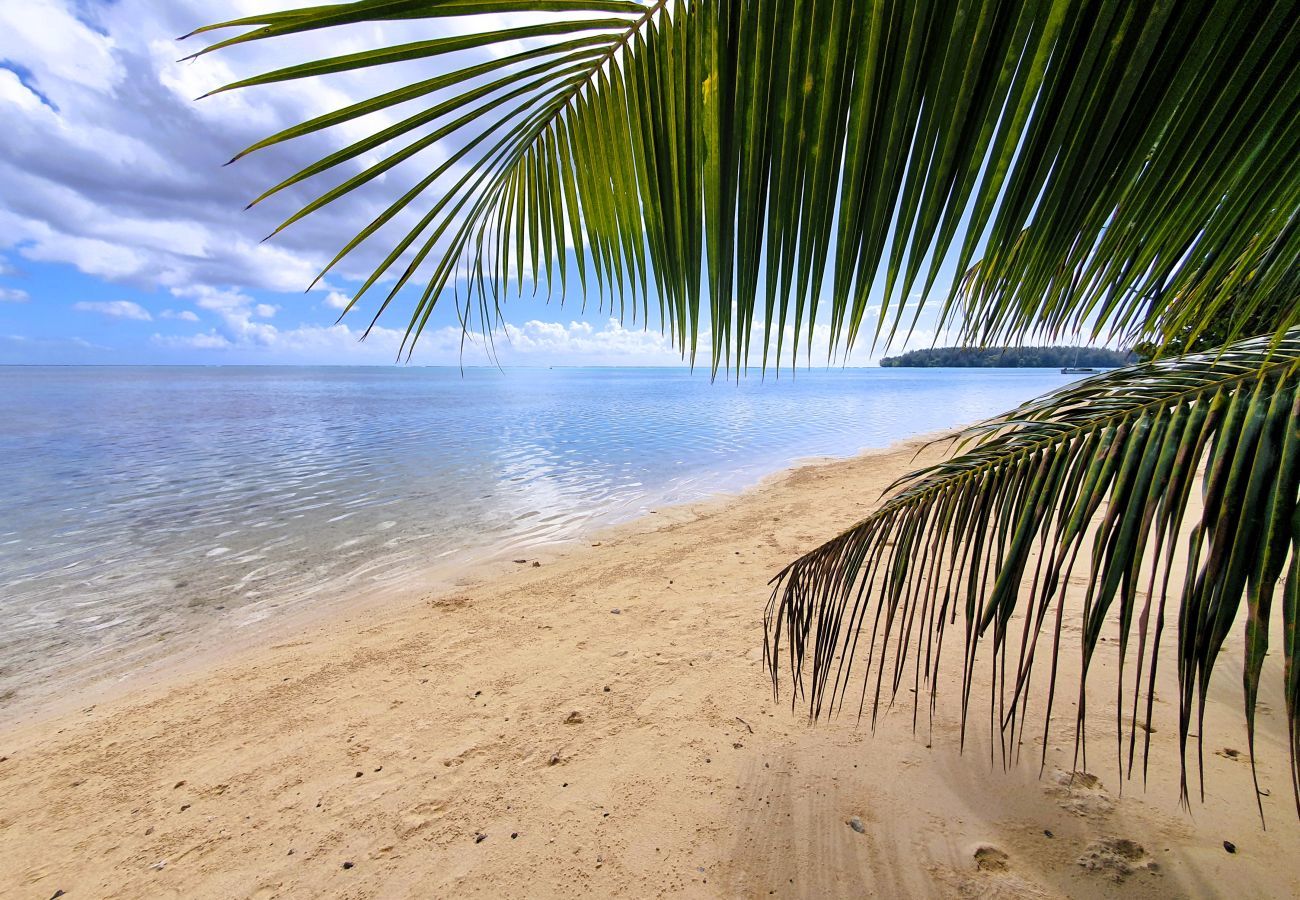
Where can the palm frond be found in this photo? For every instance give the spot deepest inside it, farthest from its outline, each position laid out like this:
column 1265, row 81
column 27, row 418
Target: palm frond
column 1100, row 475
column 502, row 117
column 750, row 162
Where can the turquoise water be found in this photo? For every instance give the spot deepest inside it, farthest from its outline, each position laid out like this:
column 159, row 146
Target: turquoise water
column 141, row 504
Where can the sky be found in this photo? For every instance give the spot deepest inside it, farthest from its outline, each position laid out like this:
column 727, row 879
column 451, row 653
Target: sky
column 125, row 240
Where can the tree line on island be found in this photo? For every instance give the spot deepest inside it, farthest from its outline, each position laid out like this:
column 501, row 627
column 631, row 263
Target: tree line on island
column 1011, row 358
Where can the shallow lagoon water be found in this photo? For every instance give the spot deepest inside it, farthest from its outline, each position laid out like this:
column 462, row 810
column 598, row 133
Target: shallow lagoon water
column 145, row 503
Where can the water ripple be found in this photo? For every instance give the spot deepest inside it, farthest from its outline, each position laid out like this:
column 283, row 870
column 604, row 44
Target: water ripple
column 143, row 503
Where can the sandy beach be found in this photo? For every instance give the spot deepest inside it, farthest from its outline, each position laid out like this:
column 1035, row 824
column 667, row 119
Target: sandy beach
column 600, row 724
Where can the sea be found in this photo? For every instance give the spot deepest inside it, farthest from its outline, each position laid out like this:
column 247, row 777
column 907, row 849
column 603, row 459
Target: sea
column 142, row 508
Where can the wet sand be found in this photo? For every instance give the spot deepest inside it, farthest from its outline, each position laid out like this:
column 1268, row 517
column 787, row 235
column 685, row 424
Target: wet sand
column 600, row 725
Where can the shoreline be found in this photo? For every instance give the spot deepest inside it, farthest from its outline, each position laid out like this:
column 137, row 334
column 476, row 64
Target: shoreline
column 192, row 655
column 604, row 721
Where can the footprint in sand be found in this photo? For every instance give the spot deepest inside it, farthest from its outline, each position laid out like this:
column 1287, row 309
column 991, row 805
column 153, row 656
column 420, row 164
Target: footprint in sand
column 1117, row 858
column 1081, row 793
column 991, row 859
column 449, row 602
column 995, row 878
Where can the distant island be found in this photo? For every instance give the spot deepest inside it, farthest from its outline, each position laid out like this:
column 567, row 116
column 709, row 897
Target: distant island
column 1011, row 358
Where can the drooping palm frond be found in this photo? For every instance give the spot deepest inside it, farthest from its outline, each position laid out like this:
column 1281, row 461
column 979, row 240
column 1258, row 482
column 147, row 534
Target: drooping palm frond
column 748, row 166
column 497, row 115
column 1100, row 475
column 748, row 162
column 1239, row 306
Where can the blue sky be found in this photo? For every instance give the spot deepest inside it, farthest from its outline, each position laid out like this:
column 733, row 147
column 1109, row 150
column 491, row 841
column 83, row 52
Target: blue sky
column 123, row 240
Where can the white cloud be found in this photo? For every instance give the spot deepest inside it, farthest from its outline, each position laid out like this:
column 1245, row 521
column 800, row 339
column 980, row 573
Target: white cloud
column 237, row 311
column 70, row 53
column 209, row 341
column 110, row 165
column 13, row 295
column 304, row 344
column 240, row 335
column 115, row 309
column 581, row 342
column 242, row 329
column 244, row 335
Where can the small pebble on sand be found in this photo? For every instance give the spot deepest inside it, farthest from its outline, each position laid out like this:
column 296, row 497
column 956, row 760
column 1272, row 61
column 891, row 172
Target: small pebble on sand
column 348, row 864
column 1230, row 846
column 856, row 824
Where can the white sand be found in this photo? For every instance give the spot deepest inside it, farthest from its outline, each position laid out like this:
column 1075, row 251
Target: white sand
column 390, row 735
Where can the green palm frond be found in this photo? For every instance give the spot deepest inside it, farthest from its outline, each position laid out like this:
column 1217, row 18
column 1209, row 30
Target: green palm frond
column 758, row 165
column 1239, row 304
column 1100, row 475
column 550, row 100
column 737, row 168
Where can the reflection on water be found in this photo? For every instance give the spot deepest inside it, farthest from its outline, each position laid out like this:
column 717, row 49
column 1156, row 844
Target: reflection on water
column 146, row 502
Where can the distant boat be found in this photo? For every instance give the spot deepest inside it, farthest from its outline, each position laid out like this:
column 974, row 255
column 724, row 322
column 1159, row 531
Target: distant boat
column 1079, row 370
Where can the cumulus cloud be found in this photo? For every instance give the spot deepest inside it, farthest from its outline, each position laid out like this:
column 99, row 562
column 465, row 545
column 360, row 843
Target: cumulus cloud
column 13, row 295
column 316, row 344
column 115, row 309
column 241, row 336
column 243, row 332
column 208, row 341
column 238, row 313
column 582, row 342
column 111, row 166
